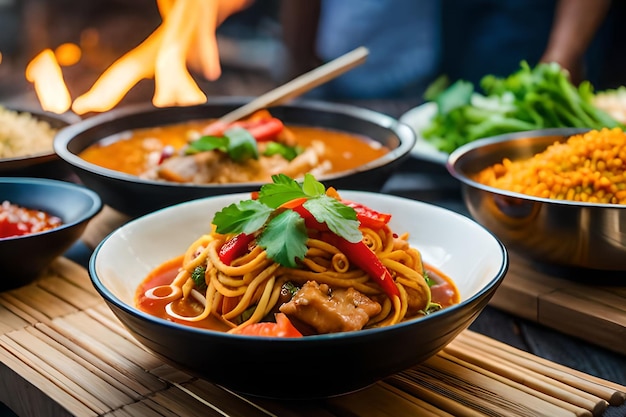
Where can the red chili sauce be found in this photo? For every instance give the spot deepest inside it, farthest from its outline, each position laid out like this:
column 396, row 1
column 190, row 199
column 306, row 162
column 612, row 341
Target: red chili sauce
column 444, row 292
column 19, row 221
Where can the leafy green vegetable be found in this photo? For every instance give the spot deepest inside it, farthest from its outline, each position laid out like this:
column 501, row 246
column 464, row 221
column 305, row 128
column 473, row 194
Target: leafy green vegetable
column 241, row 144
column 529, row 99
column 284, row 238
column 339, row 218
column 198, row 277
column 287, row 152
column 280, row 191
column 206, row 144
column 237, row 142
column 247, row 216
column 283, row 232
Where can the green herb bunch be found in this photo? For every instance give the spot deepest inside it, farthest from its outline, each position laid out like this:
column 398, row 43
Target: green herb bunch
column 282, row 231
column 529, row 99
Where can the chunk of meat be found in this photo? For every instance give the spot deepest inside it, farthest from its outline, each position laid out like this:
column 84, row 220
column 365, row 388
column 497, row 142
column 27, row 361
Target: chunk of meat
column 339, row 310
column 206, row 167
column 311, row 160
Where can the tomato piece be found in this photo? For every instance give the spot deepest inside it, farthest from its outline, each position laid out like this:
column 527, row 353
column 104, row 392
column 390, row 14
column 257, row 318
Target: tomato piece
column 368, row 217
column 264, row 129
column 282, row 328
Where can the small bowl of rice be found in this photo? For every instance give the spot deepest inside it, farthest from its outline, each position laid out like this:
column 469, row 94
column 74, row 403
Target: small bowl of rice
column 26, row 143
column 554, row 196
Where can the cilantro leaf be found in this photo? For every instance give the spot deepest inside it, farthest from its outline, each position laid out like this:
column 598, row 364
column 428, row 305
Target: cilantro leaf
column 339, row 218
column 247, row 216
column 237, row 142
column 284, row 189
column 284, row 238
column 281, row 190
column 241, row 144
column 206, row 144
column 312, row 187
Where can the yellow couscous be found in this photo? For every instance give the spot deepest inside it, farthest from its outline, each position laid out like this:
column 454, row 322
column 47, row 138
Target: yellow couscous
column 586, row 167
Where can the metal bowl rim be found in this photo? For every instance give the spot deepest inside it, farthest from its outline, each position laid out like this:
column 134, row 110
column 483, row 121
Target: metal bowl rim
column 458, row 155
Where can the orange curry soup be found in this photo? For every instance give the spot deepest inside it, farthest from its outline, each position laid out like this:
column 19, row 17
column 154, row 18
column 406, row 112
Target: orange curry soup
column 134, row 152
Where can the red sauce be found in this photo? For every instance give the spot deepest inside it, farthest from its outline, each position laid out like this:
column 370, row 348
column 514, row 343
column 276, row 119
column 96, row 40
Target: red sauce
column 443, row 292
column 164, row 275
column 19, row 221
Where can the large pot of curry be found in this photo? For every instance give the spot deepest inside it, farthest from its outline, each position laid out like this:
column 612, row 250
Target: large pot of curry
column 141, row 158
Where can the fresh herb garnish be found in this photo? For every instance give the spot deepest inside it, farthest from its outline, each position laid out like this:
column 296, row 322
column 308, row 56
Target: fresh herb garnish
column 284, row 238
column 282, row 230
column 247, row 216
column 241, row 144
column 198, row 278
column 287, row 152
column 237, row 142
column 339, row 218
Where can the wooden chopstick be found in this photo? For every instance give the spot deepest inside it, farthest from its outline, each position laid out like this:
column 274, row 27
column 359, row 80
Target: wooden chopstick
column 299, row 85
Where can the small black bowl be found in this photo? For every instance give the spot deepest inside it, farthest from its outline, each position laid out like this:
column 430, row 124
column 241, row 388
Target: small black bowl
column 23, row 258
column 135, row 196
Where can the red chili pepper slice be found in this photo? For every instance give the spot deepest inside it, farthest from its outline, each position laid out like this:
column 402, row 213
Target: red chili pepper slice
column 368, row 217
column 261, row 129
column 235, row 247
column 363, row 257
column 264, row 129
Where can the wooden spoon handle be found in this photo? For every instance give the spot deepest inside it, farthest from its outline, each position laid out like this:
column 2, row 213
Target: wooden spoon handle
column 299, row 85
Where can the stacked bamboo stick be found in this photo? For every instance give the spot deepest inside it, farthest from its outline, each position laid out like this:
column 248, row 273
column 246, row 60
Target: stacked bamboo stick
column 63, row 352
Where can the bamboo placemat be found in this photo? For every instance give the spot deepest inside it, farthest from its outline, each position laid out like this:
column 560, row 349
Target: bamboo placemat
column 62, row 352
column 592, row 312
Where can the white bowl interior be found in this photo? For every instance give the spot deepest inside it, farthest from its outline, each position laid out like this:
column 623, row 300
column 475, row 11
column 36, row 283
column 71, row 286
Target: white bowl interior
column 456, row 245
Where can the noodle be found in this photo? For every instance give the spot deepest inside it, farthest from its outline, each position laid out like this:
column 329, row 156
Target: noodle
column 253, row 281
column 359, row 275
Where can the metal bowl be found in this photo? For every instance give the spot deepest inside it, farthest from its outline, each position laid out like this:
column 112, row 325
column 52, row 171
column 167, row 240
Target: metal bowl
column 553, row 232
column 134, row 196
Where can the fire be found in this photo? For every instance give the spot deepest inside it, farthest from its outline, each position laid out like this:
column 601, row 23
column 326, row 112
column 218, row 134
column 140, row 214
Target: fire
column 45, row 73
column 185, row 40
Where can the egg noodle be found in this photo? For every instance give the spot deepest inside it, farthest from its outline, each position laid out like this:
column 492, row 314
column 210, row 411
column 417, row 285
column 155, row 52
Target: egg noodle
column 297, row 251
column 255, row 280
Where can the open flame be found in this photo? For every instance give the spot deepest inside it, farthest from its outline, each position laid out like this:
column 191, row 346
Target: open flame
column 184, row 40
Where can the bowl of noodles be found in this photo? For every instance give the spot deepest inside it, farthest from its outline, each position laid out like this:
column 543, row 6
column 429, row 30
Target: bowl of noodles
column 141, row 158
column 298, row 290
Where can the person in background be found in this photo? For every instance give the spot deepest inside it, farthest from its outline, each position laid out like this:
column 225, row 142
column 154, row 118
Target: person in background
column 402, row 37
column 482, row 37
column 412, row 42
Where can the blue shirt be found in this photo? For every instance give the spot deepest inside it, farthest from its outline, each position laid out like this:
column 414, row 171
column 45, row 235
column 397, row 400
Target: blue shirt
column 403, row 41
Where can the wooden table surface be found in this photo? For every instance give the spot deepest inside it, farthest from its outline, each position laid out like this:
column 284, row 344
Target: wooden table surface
column 430, row 183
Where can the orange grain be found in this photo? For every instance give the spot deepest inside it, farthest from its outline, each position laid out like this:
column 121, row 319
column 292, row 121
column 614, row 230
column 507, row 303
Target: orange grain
column 586, row 167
